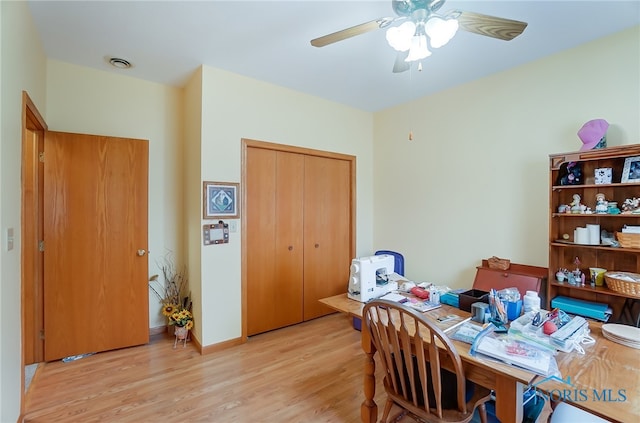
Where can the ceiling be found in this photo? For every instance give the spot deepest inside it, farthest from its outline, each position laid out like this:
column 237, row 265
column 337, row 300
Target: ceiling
column 269, row 41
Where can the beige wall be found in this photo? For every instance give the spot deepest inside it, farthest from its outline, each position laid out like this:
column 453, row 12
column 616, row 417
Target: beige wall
column 22, row 68
column 236, row 107
column 90, row 101
column 193, row 191
column 474, row 181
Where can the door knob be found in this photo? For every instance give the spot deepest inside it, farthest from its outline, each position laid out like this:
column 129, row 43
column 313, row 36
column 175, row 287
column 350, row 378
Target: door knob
column 290, row 247
column 142, row 252
column 317, row 245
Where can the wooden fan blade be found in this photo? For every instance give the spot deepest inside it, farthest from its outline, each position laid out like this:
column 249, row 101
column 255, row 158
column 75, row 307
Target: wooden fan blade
column 350, row 32
column 491, row 26
column 400, row 65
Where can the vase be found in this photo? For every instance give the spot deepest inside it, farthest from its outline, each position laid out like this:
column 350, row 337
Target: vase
column 180, row 332
column 181, row 335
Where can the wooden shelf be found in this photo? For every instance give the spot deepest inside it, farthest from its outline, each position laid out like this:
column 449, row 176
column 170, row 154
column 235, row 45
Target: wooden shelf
column 603, row 186
column 595, row 247
column 605, row 216
column 602, row 290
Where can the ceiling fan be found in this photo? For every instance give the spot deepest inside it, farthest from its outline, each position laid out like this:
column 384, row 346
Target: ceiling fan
column 423, row 23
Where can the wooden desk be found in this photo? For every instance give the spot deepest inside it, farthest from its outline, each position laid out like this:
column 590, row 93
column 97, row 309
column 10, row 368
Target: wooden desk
column 605, row 381
column 505, row 380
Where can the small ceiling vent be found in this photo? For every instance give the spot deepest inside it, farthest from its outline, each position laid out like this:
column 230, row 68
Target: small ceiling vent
column 119, row 63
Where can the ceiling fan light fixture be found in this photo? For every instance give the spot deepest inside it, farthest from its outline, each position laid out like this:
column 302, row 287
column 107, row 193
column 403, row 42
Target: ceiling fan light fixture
column 418, row 50
column 399, row 37
column 440, row 31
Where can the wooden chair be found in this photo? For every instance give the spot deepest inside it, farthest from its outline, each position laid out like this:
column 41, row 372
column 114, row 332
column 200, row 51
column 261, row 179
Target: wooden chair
column 412, row 351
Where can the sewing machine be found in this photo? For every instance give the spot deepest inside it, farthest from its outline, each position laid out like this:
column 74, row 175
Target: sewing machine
column 372, row 277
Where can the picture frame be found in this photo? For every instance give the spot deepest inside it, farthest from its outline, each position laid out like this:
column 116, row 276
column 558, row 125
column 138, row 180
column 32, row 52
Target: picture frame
column 220, row 200
column 631, row 170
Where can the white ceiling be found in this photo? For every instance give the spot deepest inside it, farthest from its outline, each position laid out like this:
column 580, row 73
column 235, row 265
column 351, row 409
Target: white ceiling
column 269, row 41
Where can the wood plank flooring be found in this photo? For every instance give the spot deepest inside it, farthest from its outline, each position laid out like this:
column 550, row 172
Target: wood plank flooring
column 311, row 372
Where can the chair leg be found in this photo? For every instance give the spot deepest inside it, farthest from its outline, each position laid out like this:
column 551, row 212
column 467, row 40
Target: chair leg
column 387, row 410
column 482, row 410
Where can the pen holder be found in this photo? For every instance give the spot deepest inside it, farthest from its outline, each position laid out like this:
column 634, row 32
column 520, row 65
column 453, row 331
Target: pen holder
column 514, row 309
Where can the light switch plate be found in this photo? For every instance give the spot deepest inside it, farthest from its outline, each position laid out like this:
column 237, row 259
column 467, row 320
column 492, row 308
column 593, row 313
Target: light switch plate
column 9, row 239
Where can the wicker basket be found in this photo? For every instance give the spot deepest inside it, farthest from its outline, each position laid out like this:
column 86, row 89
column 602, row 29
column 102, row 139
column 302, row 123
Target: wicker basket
column 615, row 283
column 498, row 263
column 628, row 240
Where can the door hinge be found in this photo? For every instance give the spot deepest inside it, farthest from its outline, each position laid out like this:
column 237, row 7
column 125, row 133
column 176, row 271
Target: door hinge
column 41, row 156
column 42, row 334
column 41, row 246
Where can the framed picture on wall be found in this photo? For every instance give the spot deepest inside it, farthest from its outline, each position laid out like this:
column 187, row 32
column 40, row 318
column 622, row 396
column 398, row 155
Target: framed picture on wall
column 631, row 171
column 220, row 200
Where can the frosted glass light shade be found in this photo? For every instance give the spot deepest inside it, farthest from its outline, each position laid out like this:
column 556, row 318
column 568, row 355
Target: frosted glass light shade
column 440, row 31
column 399, row 37
column 418, row 50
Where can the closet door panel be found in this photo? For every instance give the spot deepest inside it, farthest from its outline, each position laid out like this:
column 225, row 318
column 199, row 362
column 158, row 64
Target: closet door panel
column 274, row 239
column 327, row 231
column 287, row 287
column 261, row 229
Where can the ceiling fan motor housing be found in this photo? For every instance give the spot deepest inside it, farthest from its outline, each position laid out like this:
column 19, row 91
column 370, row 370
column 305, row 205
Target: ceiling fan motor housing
column 407, row 7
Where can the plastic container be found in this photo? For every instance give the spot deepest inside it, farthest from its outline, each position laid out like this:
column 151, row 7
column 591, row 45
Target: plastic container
column 531, row 301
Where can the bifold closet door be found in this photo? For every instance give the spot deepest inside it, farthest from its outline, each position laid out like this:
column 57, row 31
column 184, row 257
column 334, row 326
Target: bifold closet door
column 274, row 239
column 327, row 231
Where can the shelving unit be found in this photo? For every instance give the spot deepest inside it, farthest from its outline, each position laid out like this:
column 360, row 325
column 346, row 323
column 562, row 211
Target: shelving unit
column 562, row 252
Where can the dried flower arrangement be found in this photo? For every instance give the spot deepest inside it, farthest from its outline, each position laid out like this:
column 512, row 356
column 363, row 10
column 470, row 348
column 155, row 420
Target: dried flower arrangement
column 174, row 296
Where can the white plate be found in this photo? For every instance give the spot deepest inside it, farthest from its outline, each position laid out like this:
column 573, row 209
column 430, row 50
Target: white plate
column 617, row 338
column 622, row 342
column 625, row 332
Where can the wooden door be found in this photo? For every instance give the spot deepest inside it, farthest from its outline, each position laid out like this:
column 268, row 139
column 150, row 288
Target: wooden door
column 34, row 128
column 274, row 251
column 95, row 237
column 327, row 231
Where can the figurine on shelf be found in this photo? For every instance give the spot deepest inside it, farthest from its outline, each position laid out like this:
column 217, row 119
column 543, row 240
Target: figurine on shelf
column 561, row 275
column 631, row 206
column 601, row 204
column 576, row 206
column 576, row 277
column 577, row 262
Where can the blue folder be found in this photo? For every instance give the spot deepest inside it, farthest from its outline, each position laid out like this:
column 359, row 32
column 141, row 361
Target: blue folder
column 594, row 310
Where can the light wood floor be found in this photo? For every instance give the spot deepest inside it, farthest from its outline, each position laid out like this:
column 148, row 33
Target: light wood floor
column 311, row 372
